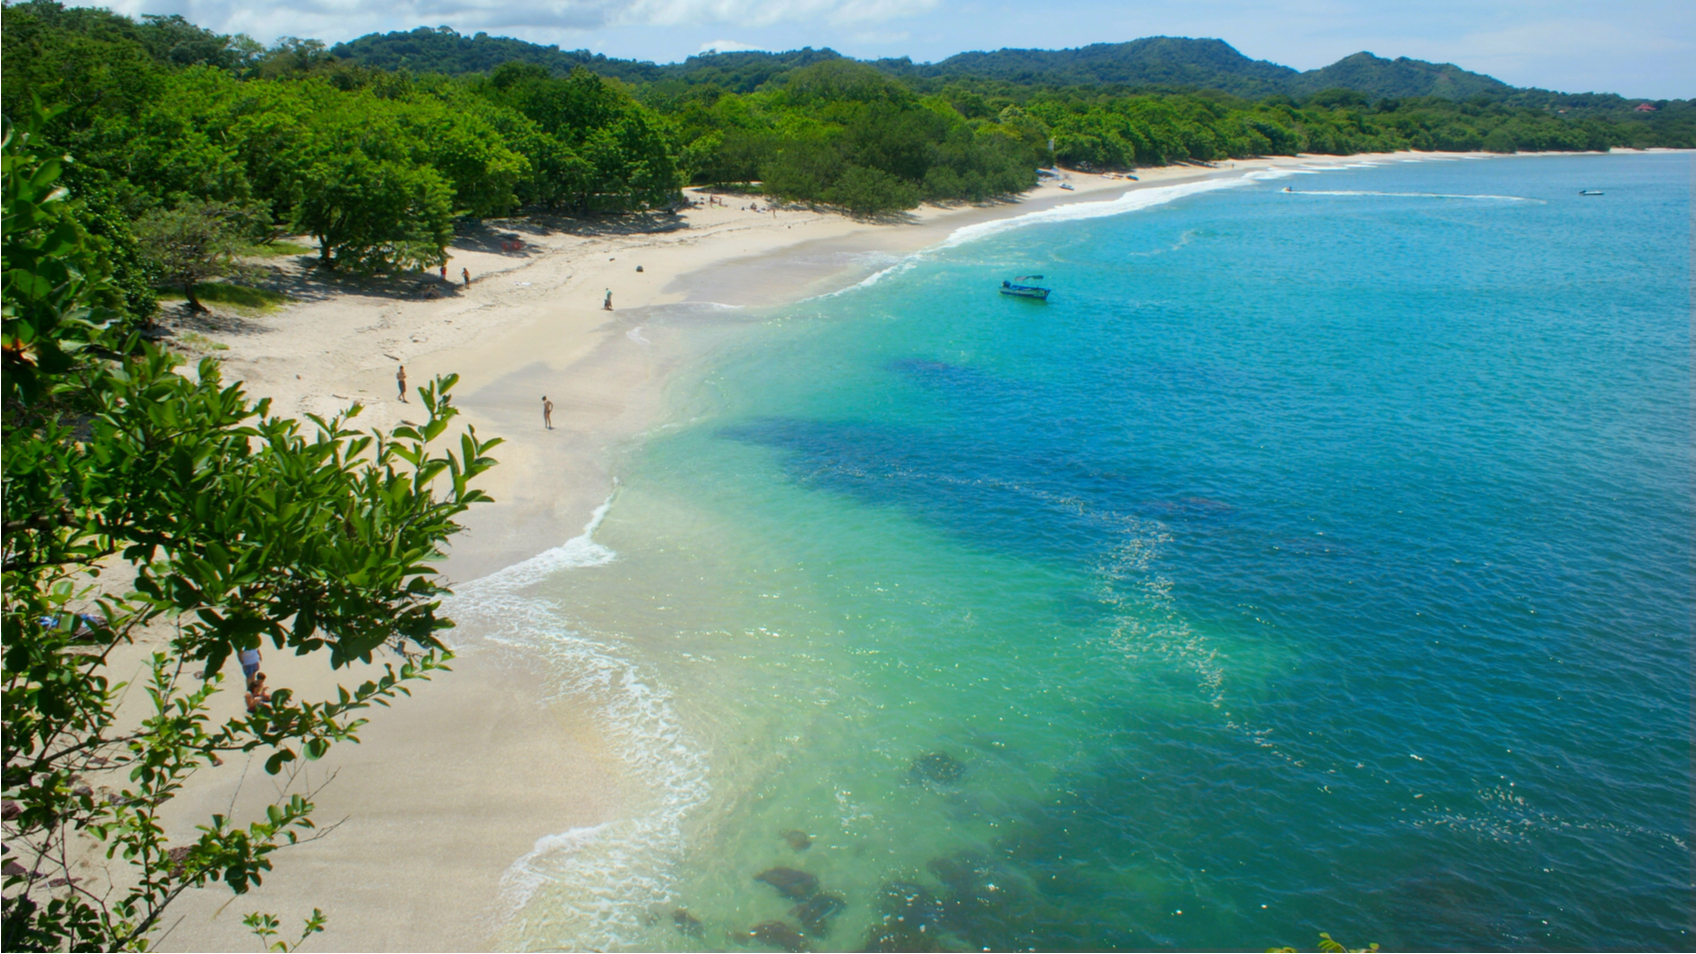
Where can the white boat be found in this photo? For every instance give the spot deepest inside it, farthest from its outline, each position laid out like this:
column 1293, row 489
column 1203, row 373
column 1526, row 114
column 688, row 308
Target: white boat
column 1017, row 289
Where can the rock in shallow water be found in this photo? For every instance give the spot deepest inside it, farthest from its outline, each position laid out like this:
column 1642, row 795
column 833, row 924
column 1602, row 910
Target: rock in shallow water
column 798, row 839
column 911, row 920
column 687, row 924
column 937, row 767
column 789, row 882
column 816, row 912
column 776, row 934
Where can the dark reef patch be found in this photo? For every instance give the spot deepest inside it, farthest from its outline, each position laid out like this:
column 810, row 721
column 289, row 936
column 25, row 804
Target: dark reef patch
column 687, row 924
column 910, row 919
column 789, row 882
column 815, row 912
column 937, row 767
column 775, row 934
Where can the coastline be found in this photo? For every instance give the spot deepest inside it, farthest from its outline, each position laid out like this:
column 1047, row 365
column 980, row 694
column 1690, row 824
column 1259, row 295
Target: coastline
column 449, row 789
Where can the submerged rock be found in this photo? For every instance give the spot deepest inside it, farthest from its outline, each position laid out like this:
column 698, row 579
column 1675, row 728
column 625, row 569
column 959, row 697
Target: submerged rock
column 815, row 912
column 687, row 924
column 911, row 920
column 798, row 839
column 937, row 767
column 988, row 903
column 789, row 882
column 779, row 935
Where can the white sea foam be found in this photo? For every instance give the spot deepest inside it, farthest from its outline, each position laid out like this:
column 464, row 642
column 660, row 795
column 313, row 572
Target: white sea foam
column 635, row 334
column 590, row 887
column 900, row 266
column 1077, row 211
column 1420, row 195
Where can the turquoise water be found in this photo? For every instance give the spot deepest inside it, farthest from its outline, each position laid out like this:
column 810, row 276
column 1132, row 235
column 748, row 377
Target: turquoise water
column 1310, row 561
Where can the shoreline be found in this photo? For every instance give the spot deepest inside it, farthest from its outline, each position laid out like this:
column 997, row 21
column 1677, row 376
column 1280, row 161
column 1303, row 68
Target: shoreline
column 448, row 791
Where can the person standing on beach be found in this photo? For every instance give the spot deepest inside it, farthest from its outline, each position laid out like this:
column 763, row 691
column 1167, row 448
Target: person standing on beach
column 249, row 663
column 444, row 271
column 607, row 305
column 465, row 273
column 547, row 413
column 400, row 382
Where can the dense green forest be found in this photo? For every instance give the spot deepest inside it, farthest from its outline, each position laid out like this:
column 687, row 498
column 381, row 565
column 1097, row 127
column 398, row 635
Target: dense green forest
column 190, row 144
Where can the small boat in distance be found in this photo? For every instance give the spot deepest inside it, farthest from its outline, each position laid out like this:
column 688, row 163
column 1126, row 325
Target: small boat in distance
column 1018, row 289
column 1590, row 192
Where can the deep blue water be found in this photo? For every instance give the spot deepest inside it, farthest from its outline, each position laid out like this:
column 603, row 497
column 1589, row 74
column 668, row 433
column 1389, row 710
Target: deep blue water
column 1310, row 561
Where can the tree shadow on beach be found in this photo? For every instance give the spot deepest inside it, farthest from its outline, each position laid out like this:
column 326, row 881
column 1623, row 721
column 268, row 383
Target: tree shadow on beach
column 304, row 278
column 657, row 222
column 179, row 316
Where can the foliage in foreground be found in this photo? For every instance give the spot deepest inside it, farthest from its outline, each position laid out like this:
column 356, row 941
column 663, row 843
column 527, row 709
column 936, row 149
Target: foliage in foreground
column 1328, row 946
column 151, row 508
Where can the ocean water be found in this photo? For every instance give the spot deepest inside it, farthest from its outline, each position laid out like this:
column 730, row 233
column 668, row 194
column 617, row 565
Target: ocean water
column 1310, row 561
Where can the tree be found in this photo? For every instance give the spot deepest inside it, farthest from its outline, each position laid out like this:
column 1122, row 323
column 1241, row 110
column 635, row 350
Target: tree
column 374, row 213
column 234, row 527
column 198, row 241
column 53, row 279
column 868, row 191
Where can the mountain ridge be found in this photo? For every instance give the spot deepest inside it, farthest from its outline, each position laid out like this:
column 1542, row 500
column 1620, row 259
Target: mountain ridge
column 1159, row 61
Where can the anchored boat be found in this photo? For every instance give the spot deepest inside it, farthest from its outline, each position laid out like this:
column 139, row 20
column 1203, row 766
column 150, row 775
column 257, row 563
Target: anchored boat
column 1018, row 289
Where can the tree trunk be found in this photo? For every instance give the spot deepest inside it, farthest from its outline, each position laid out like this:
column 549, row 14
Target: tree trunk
column 194, row 304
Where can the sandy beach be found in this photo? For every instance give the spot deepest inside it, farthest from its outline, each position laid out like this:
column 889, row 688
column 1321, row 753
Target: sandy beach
column 448, row 788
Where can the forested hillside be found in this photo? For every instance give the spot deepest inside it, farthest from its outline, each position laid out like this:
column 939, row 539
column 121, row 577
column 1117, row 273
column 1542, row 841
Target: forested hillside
column 184, row 138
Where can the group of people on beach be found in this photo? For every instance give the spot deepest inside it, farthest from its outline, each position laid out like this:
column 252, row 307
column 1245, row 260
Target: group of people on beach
column 755, row 207
column 464, row 274
column 258, row 694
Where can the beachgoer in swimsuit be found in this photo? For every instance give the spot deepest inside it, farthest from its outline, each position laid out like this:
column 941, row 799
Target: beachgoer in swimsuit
column 257, row 694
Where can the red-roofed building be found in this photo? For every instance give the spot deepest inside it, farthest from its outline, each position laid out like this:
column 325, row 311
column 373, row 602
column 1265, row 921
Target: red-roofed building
column 1645, row 108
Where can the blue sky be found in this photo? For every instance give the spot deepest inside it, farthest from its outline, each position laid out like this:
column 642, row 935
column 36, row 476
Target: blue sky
column 1641, row 48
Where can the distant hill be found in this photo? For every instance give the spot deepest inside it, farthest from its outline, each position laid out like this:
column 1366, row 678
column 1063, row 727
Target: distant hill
column 1215, row 64
column 1151, row 61
column 1157, row 61
column 1399, row 78
column 443, row 50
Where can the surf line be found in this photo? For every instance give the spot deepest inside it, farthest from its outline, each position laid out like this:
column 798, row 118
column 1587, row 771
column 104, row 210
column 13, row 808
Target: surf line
column 1133, row 200
column 596, row 882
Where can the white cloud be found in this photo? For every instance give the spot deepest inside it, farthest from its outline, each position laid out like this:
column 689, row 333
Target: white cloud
column 727, row 46
column 342, row 19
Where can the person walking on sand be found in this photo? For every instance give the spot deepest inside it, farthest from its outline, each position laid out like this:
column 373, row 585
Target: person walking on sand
column 547, row 413
column 465, row 273
column 607, row 305
column 400, row 383
column 444, row 271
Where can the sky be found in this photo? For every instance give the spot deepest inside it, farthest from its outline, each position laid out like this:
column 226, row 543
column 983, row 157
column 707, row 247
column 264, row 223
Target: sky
column 1639, row 48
